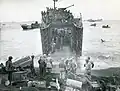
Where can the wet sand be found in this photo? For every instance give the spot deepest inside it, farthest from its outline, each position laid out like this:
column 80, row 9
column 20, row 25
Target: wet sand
column 106, row 72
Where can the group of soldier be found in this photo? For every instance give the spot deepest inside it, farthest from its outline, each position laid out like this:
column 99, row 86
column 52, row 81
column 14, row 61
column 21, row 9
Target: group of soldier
column 46, row 64
column 60, row 39
column 57, row 40
column 71, row 65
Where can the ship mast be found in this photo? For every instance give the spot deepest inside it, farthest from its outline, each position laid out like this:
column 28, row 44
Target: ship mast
column 54, row 3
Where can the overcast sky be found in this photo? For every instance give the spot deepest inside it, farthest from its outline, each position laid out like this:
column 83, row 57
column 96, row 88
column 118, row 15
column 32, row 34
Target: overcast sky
column 29, row 10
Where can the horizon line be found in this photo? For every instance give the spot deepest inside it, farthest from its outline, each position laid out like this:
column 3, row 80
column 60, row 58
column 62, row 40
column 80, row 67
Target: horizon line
column 40, row 21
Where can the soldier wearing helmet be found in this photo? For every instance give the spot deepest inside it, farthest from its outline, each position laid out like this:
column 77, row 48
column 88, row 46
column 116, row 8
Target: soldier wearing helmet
column 42, row 65
column 88, row 66
column 9, row 68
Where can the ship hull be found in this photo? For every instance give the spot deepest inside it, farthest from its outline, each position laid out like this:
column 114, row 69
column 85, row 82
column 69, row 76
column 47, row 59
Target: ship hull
column 73, row 40
column 25, row 27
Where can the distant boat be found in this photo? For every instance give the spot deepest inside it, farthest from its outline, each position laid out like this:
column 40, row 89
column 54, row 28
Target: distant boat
column 93, row 24
column 98, row 20
column 32, row 26
column 105, row 26
column 91, row 20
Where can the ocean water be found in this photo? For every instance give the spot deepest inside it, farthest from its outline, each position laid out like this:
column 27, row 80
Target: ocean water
column 16, row 42
column 92, row 36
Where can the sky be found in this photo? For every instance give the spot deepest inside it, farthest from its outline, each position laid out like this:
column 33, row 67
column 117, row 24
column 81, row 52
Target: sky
column 30, row 10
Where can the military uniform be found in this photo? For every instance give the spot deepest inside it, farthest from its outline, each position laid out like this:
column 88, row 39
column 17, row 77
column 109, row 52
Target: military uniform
column 42, row 66
column 9, row 68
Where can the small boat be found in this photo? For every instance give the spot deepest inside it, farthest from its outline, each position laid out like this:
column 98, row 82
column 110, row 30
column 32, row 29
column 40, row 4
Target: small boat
column 97, row 20
column 105, row 26
column 102, row 40
column 93, row 24
column 32, row 26
column 91, row 20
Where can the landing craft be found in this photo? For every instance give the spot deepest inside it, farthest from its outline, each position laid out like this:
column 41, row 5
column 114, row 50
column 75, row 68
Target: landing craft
column 94, row 24
column 105, row 26
column 60, row 27
column 97, row 20
column 31, row 26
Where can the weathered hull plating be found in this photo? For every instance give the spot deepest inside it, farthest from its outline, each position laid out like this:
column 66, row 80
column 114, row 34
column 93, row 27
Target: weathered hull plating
column 76, row 36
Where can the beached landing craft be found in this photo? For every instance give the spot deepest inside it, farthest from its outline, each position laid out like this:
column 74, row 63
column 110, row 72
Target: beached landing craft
column 59, row 27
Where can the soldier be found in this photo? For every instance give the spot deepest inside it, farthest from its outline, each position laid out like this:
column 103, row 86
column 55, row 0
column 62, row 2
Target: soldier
column 67, row 65
column 32, row 66
column 49, row 63
column 40, row 65
column 73, row 66
column 86, row 84
column 53, row 46
column 44, row 67
column 9, row 68
column 88, row 66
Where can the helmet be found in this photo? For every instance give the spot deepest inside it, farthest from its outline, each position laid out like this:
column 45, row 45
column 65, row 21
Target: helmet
column 10, row 57
column 32, row 56
column 88, row 58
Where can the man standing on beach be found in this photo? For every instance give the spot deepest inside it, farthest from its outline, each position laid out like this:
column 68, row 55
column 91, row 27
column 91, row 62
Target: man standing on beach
column 73, row 66
column 42, row 65
column 88, row 66
column 9, row 68
column 32, row 66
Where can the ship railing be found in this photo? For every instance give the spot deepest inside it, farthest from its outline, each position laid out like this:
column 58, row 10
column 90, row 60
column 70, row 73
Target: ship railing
column 44, row 27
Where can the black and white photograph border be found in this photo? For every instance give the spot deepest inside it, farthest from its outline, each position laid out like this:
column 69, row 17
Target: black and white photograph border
column 59, row 45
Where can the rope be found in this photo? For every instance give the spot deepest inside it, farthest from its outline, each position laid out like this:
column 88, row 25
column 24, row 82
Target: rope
column 60, row 0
